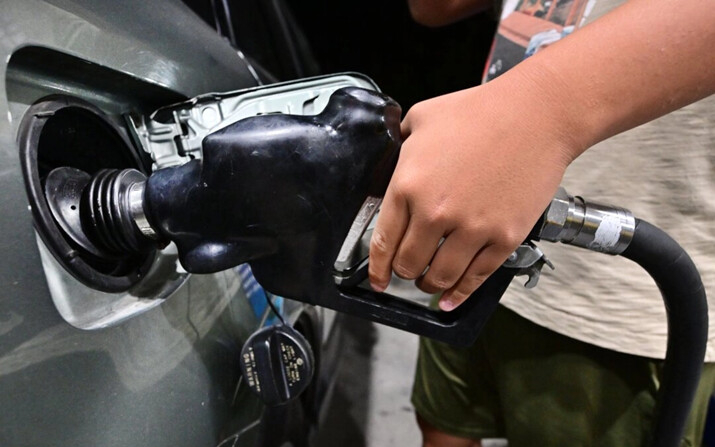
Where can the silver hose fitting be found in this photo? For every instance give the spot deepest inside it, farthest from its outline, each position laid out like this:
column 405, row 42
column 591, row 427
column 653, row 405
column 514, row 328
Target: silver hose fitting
column 574, row 221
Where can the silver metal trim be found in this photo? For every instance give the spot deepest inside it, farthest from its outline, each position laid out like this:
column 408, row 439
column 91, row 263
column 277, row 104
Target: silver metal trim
column 135, row 199
column 367, row 212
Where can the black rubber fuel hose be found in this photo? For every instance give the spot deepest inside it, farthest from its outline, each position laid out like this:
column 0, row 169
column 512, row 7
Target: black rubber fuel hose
column 687, row 310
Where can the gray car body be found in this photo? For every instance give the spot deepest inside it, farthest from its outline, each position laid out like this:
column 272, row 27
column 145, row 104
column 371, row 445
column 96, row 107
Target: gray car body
column 167, row 376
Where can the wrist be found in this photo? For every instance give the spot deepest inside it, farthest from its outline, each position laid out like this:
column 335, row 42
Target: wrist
column 550, row 106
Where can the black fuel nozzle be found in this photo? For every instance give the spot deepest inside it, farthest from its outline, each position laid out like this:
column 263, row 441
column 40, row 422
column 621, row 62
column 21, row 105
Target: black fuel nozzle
column 278, row 190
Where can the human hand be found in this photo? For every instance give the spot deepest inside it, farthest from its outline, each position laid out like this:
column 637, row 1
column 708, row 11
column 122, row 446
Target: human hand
column 477, row 168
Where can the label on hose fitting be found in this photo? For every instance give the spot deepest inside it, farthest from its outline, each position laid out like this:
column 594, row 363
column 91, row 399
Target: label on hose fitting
column 607, row 234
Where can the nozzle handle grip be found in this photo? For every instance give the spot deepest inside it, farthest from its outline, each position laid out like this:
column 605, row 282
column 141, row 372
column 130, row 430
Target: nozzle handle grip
column 460, row 327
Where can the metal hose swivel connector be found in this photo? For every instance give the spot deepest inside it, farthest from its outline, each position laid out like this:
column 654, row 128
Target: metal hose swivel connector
column 575, row 221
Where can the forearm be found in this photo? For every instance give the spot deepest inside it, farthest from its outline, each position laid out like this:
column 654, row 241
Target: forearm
column 638, row 62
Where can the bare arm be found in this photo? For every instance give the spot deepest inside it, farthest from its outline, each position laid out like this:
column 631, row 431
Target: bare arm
column 444, row 12
column 479, row 166
column 643, row 60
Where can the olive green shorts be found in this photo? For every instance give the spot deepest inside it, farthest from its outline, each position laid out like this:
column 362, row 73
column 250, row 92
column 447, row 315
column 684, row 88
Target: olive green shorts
column 537, row 388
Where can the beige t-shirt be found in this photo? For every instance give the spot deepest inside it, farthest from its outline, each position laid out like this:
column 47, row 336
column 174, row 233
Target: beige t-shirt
column 663, row 171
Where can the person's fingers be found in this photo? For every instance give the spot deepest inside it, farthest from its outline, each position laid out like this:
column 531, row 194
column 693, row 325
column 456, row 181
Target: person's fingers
column 418, row 245
column 483, row 265
column 450, row 262
column 389, row 228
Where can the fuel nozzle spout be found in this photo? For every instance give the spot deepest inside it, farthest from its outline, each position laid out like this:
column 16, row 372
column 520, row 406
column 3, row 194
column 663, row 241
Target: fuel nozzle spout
column 102, row 214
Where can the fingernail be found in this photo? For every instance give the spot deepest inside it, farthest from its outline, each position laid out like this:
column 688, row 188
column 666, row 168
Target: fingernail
column 446, row 304
column 377, row 287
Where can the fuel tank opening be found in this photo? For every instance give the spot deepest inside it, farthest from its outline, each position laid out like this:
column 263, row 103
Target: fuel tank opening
column 64, row 143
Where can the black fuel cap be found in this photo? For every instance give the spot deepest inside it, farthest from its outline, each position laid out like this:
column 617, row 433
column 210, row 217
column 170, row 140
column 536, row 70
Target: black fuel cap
column 277, row 363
